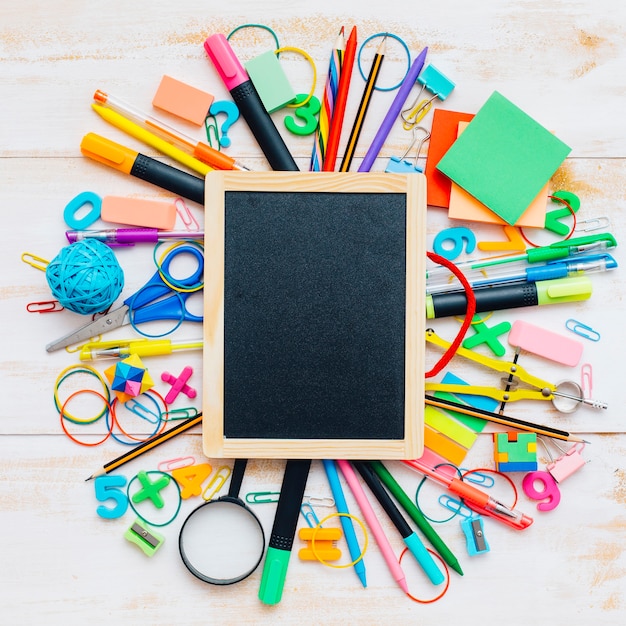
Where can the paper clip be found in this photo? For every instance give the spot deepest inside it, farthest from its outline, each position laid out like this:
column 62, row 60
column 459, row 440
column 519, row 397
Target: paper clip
column 309, row 515
column 582, row 330
column 262, row 497
column 217, row 482
column 478, row 478
column 471, row 524
column 134, row 406
column 35, row 261
column 49, row 306
column 593, row 223
column 212, row 132
column 319, row 501
column 586, row 383
column 182, row 413
column 177, row 463
column 185, row 215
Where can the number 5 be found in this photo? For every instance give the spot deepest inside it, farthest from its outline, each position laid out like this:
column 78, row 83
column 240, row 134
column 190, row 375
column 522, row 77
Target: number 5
column 107, row 488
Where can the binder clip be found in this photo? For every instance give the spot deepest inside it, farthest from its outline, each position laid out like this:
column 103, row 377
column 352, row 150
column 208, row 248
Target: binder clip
column 471, row 525
column 568, row 463
column 436, row 83
column 144, row 537
column 400, row 165
column 320, row 544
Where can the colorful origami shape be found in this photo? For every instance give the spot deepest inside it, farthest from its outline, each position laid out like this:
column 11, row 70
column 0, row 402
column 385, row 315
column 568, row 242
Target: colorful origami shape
column 129, row 378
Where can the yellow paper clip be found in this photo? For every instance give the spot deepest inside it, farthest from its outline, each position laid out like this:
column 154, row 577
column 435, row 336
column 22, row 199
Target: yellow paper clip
column 320, row 544
column 35, row 261
column 217, row 482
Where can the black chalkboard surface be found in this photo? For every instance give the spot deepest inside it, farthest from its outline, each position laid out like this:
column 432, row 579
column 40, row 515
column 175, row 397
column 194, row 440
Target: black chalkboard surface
column 314, row 302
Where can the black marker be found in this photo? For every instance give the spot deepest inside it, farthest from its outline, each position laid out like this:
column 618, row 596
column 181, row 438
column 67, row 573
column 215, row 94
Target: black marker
column 251, row 107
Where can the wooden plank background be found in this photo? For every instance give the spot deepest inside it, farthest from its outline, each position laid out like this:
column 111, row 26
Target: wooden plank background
column 561, row 61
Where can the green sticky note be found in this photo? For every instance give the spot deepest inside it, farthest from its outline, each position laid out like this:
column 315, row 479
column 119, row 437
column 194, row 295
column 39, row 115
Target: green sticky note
column 270, row 81
column 503, row 158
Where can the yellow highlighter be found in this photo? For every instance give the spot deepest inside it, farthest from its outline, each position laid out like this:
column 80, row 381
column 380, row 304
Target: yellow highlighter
column 134, row 130
column 121, row 348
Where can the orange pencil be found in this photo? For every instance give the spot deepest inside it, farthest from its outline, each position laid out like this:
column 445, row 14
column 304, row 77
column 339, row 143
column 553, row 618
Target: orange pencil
column 330, row 158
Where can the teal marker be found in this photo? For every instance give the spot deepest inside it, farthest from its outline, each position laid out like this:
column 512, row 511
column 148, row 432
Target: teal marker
column 283, row 531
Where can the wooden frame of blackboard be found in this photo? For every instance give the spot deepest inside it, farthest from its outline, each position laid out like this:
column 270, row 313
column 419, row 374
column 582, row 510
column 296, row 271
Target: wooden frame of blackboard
column 233, row 196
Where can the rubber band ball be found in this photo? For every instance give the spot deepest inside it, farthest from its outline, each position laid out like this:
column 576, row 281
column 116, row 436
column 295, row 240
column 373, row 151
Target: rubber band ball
column 85, row 277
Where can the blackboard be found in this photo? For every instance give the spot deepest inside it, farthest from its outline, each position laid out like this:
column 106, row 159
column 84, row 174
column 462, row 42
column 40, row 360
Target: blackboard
column 314, row 302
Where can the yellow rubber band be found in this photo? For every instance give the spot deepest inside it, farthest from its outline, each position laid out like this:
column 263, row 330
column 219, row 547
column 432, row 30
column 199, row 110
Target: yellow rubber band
column 77, row 369
column 309, row 58
column 165, row 253
column 365, row 540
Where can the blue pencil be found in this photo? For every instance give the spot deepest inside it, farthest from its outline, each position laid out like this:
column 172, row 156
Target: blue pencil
column 346, row 522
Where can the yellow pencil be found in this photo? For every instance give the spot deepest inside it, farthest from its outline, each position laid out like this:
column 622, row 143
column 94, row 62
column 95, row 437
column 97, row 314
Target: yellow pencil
column 134, row 130
column 147, row 445
column 365, row 102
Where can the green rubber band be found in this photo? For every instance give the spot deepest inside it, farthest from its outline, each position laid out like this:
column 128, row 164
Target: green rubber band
column 263, row 26
column 139, row 515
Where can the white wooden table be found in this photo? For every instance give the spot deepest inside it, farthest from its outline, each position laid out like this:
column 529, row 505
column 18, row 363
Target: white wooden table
column 562, row 62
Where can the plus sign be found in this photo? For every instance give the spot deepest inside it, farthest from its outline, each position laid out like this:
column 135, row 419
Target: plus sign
column 151, row 489
column 488, row 335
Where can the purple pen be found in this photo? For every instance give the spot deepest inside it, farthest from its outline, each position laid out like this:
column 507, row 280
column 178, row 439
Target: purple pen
column 130, row 236
column 394, row 111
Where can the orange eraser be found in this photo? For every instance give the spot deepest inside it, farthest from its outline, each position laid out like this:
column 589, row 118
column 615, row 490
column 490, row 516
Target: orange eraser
column 182, row 100
column 138, row 212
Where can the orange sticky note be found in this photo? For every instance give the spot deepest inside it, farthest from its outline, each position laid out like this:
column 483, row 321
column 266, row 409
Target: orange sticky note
column 443, row 134
column 463, row 206
column 138, row 212
column 182, row 100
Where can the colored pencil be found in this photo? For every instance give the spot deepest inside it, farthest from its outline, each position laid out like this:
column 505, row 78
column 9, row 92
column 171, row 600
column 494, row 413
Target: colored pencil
column 362, row 111
column 153, row 442
column 336, row 123
column 504, row 420
column 328, row 105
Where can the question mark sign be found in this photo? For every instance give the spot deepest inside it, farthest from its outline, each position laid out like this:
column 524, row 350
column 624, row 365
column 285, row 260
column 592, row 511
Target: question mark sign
column 232, row 115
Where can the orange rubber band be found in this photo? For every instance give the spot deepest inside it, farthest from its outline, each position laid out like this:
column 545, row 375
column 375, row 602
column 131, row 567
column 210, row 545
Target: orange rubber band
column 62, row 414
column 419, row 600
column 115, row 421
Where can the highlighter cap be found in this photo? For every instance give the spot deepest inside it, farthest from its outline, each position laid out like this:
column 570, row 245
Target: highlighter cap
column 108, row 152
column 573, row 289
column 225, row 61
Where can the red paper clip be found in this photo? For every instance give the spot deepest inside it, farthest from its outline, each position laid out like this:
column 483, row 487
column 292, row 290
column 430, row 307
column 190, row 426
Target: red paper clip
column 49, row 306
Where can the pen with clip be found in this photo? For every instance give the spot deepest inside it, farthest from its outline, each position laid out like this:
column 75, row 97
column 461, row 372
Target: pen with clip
column 121, row 348
column 517, row 273
column 559, row 250
column 251, row 107
column 475, row 498
column 201, row 151
column 130, row 236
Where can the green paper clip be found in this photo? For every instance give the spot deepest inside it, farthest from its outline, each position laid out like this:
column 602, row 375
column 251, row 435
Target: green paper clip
column 145, row 537
column 262, row 497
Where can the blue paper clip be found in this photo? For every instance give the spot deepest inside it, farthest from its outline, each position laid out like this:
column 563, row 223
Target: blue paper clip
column 582, row 330
column 309, row 515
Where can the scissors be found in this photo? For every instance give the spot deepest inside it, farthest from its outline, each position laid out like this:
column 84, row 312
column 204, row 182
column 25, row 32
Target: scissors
column 566, row 397
column 160, row 298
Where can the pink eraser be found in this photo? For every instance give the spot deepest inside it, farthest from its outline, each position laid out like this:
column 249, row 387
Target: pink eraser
column 182, row 100
column 138, row 212
column 545, row 343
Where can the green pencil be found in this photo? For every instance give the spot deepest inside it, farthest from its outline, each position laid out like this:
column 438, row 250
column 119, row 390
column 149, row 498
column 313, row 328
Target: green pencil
column 416, row 515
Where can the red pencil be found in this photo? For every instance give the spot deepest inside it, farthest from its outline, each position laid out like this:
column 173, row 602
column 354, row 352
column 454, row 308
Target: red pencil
column 330, row 158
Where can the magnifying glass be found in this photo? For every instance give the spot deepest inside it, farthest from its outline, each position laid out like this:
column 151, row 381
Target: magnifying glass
column 222, row 541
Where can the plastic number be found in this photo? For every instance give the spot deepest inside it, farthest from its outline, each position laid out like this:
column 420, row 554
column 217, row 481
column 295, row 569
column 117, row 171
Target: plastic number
column 549, row 491
column 190, row 479
column 108, row 488
column 459, row 237
column 515, row 241
column 306, row 113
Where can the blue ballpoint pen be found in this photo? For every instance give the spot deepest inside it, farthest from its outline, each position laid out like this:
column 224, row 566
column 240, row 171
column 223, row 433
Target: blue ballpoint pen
column 523, row 273
column 346, row 522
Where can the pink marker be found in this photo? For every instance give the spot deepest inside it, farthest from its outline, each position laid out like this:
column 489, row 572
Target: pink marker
column 372, row 521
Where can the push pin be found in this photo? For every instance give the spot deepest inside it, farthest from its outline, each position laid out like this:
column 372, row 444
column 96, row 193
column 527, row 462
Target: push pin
column 178, row 385
column 144, row 537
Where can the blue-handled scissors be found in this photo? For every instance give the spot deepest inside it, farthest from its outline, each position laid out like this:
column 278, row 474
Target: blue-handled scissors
column 158, row 299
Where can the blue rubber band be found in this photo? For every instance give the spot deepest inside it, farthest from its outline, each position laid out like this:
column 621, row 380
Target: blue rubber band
column 133, row 442
column 406, row 49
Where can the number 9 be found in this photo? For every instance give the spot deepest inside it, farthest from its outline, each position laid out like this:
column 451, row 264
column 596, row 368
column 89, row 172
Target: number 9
column 549, row 491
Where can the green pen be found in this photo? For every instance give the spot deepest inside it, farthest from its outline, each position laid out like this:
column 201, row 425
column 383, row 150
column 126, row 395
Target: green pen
column 559, row 250
column 416, row 515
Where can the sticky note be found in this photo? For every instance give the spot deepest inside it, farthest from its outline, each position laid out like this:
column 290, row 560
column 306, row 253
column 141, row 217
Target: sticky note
column 503, row 158
column 182, row 100
column 138, row 212
column 463, row 206
column 270, row 81
column 443, row 134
